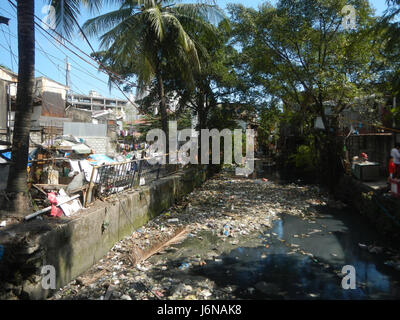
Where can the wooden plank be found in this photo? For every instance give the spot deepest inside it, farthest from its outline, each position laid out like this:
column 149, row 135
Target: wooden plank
column 40, row 189
column 49, row 159
column 52, row 186
column 67, row 148
column 83, row 188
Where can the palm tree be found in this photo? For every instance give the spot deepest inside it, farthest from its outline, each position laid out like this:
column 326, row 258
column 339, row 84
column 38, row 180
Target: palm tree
column 142, row 36
column 17, row 181
column 66, row 12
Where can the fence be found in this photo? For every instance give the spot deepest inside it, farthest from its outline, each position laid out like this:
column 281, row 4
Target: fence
column 113, row 178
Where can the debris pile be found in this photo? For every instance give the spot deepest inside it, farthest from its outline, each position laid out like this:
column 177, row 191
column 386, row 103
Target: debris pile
column 226, row 213
column 221, row 215
column 61, row 170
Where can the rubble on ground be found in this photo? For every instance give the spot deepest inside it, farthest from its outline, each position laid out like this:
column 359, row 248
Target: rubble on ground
column 223, row 214
column 233, row 210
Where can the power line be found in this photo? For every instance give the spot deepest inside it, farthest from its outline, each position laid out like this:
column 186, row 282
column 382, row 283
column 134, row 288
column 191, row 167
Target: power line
column 78, row 67
column 9, row 50
column 13, row 56
column 7, row 12
column 8, row 41
column 102, row 67
column 36, row 70
column 93, row 51
column 108, row 71
column 74, row 52
column 58, row 66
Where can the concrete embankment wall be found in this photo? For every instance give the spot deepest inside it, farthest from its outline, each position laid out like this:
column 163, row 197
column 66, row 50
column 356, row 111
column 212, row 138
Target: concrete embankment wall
column 73, row 245
column 382, row 211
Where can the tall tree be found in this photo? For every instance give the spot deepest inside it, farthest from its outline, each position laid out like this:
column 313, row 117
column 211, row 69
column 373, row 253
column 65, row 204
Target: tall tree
column 66, row 13
column 299, row 52
column 388, row 30
column 143, row 36
column 214, row 82
column 17, row 181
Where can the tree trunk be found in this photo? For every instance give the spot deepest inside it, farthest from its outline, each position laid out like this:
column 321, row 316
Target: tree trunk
column 17, row 182
column 331, row 148
column 163, row 109
column 202, row 118
column 202, row 112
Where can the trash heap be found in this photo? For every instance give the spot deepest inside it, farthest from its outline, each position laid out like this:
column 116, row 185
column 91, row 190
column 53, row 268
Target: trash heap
column 59, row 170
column 225, row 213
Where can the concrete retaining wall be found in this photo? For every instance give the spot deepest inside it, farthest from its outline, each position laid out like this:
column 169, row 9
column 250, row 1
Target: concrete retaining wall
column 382, row 211
column 73, row 245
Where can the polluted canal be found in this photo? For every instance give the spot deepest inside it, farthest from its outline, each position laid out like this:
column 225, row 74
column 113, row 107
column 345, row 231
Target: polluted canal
column 246, row 239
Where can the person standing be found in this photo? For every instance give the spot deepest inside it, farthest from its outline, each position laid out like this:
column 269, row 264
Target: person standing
column 391, row 168
column 395, row 153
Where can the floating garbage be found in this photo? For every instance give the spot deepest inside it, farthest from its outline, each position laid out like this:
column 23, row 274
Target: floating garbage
column 375, row 249
column 393, row 264
column 229, row 209
column 184, row 266
column 226, row 230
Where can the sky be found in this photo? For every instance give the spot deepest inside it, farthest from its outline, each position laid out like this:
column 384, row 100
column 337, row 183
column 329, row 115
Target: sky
column 50, row 56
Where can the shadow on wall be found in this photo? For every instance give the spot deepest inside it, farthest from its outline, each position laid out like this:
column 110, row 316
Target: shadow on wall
column 73, row 245
column 4, row 169
column 25, row 252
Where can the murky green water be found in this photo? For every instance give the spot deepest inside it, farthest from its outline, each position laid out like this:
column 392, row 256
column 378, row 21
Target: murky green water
column 296, row 259
column 287, row 275
column 267, row 268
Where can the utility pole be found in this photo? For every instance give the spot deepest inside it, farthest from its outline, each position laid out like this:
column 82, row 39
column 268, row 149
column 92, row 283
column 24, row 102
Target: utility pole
column 67, row 70
column 67, row 79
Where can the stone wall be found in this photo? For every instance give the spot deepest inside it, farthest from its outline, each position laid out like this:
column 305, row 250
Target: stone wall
column 382, row 211
column 78, row 115
column 99, row 144
column 73, row 245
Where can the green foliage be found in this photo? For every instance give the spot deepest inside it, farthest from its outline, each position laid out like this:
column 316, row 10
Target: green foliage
column 305, row 158
column 222, row 118
column 387, row 31
column 184, row 121
column 146, row 39
column 67, row 12
column 269, row 122
column 298, row 52
column 143, row 37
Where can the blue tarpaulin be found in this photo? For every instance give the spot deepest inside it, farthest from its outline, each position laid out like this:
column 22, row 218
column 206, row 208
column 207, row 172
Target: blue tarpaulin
column 8, row 156
column 99, row 159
